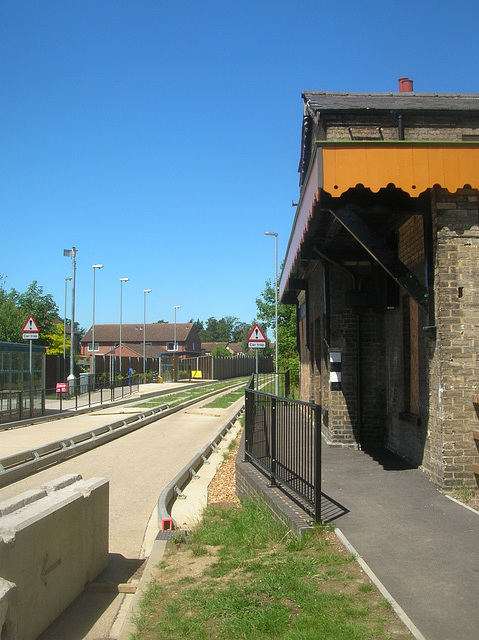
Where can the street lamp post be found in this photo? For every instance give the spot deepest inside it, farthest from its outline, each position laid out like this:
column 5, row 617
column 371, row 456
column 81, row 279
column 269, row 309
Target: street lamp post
column 65, row 324
column 175, row 344
column 122, row 280
column 275, row 235
column 145, row 291
column 94, row 267
column 71, row 253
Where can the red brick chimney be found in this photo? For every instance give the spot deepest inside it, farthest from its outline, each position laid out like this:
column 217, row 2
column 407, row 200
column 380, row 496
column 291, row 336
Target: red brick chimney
column 405, row 85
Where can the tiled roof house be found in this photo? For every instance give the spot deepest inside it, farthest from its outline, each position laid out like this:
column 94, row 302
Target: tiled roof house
column 159, row 339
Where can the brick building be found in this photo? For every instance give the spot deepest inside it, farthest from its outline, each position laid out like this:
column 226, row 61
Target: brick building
column 159, row 339
column 383, row 265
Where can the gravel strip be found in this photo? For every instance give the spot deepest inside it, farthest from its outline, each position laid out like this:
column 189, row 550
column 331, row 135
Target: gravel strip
column 222, row 488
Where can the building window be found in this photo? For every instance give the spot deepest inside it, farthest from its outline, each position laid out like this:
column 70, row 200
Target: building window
column 97, row 346
column 170, row 346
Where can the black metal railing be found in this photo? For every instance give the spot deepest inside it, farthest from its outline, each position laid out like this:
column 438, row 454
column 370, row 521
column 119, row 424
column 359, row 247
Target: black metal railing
column 275, row 383
column 283, row 440
column 22, row 405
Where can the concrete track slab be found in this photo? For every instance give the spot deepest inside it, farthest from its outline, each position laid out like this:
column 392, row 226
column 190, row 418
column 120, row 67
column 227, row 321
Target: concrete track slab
column 36, row 434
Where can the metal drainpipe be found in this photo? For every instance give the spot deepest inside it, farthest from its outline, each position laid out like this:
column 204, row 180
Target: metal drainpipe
column 359, row 388
column 400, row 127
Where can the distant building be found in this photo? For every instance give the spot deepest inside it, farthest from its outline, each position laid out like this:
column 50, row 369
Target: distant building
column 235, row 348
column 159, row 340
column 208, row 347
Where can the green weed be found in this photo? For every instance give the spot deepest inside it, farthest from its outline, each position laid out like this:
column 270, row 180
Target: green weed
column 254, row 580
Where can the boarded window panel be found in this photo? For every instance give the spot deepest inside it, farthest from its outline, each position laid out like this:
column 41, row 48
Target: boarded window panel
column 411, row 355
column 406, row 351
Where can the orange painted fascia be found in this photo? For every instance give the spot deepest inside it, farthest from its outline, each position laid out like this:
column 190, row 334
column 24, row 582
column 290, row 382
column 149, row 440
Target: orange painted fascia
column 413, row 167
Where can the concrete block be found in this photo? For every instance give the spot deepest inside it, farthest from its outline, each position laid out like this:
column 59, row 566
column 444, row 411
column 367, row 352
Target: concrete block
column 53, row 543
column 8, row 611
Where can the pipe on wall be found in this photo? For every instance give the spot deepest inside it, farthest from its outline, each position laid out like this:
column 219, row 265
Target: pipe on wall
column 400, row 127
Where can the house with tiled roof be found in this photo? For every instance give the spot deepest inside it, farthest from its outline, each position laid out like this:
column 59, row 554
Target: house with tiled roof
column 208, row 347
column 159, row 339
column 235, row 348
column 382, row 265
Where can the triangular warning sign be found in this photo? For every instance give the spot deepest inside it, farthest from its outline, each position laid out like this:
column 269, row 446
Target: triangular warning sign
column 30, row 326
column 256, row 335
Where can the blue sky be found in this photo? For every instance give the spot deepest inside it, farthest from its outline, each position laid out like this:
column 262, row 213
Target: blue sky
column 162, row 139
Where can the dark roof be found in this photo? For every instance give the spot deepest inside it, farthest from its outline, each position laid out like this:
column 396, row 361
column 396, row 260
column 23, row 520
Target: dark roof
column 209, row 346
column 131, row 333
column 151, row 350
column 340, row 101
column 237, row 347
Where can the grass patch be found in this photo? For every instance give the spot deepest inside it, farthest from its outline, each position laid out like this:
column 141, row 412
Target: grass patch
column 253, row 579
column 226, row 400
column 175, row 398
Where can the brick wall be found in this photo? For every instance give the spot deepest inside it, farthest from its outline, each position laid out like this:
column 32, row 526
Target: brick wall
column 342, row 423
column 454, row 372
column 411, row 242
column 421, row 131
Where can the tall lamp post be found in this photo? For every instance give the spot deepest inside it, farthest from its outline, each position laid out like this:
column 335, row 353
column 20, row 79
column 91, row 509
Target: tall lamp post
column 275, row 235
column 122, row 280
column 145, row 291
column 71, row 253
column 94, row 267
column 175, row 345
column 65, row 324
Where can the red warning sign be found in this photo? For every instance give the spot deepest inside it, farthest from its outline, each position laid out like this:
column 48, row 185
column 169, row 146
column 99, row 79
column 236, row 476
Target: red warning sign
column 256, row 339
column 30, row 326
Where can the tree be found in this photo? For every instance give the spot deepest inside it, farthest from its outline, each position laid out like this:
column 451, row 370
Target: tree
column 238, row 330
column 55, row 340
column 15, row 308
column 10, row 320
column 288, row 359
column 200, row 329
column 227, row 329
column 220, row 350
column 242, row 334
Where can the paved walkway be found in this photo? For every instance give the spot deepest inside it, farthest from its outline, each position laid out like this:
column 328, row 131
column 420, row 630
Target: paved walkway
column 423, row 546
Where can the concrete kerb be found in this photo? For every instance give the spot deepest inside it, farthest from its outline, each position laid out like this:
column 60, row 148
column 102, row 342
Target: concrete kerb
column 165, row 505
column 173, row 490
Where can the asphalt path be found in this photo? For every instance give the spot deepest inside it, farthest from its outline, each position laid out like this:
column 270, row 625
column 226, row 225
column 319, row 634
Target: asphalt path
column 138, row 467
